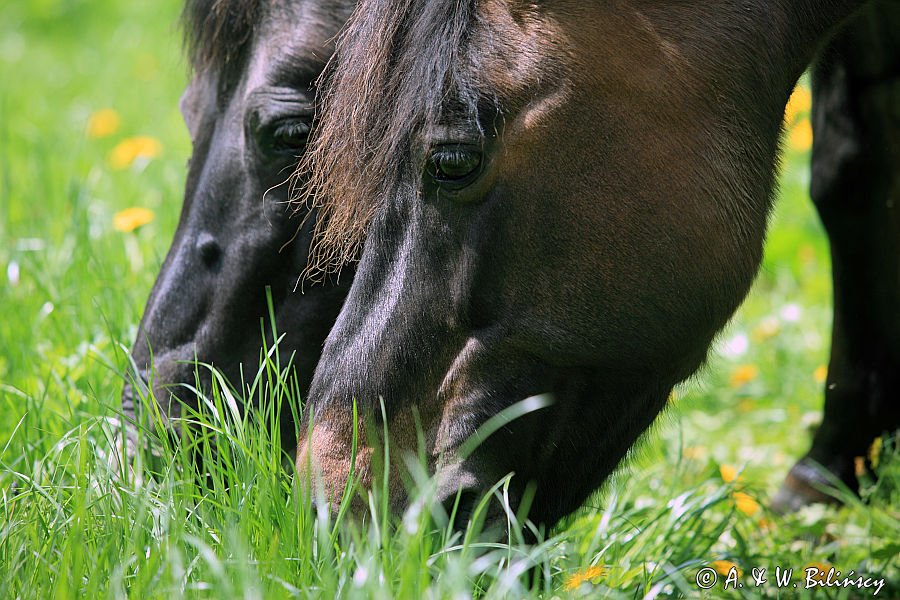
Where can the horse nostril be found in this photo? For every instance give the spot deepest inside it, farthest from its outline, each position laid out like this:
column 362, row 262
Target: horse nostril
column 209, row 250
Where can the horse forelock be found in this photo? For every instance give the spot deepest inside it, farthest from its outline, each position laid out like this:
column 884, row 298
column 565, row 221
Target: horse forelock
column 218, row 32
column 398, row 65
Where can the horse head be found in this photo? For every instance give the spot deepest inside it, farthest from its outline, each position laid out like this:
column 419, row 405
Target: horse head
column 249, row 108
column 561, row 200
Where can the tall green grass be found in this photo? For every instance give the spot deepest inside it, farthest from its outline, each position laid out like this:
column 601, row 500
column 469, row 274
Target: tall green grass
column 77, row 523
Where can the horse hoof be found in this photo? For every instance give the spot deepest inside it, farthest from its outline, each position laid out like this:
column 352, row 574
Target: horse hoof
column 804, row 485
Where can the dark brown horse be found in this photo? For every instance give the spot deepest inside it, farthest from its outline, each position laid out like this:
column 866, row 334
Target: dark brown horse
column 248, row 107
column 569, row 200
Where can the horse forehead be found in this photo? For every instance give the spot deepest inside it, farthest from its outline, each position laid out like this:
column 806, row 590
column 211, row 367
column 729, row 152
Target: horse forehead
column 517, row 47
column 294, row 31
column 304, row 22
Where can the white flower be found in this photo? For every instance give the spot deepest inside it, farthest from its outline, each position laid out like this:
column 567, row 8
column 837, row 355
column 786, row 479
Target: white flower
column 736, row 346
column 791, row 313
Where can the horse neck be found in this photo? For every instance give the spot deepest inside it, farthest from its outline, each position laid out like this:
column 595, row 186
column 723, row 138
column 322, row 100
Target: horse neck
column 817, row 21
column 823, row 16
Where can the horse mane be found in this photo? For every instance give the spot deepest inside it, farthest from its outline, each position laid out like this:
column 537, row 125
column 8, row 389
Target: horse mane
column 218, row 32
column 398, row 65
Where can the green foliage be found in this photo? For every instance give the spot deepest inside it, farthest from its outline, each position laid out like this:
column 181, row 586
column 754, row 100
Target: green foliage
column 77, row 523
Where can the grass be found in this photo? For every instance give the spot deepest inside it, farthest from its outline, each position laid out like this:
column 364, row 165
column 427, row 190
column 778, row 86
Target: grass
column 76, row 525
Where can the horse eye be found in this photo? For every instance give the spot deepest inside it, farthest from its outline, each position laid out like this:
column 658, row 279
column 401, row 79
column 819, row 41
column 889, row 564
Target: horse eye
column 454, row 165
column 289, row 136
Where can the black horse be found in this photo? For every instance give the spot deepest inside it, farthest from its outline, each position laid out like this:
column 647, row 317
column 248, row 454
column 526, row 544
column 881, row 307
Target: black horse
column 248, row 107
column 569, row 200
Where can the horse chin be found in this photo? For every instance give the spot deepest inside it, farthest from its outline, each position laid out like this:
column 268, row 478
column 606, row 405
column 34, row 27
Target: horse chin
column 580, row 433
column 173, row 383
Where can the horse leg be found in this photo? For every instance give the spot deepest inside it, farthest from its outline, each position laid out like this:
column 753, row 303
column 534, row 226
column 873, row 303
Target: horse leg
column 856, row 189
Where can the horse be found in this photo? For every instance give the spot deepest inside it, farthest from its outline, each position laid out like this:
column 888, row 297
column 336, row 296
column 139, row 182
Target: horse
column 248, row 107
column 561, row 204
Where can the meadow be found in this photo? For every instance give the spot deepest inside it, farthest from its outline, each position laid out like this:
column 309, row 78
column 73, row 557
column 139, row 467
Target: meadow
column 92, row 164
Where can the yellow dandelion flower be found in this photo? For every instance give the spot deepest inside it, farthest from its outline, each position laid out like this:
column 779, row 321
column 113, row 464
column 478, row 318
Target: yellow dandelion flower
column 724, row 567
column 875, row 452
column 820, row 374
column 859, row 466
column 745, row 503
column 807, row 253
column 584, row 575
column 103, row 123
column 743, row 374
column 800, row 137
column 746, row 405
column 799, row 103
column 132, row 218
column 768, row 328
column 694, row 452
column 130, row 149
column 728, row 472
column 822, row 569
